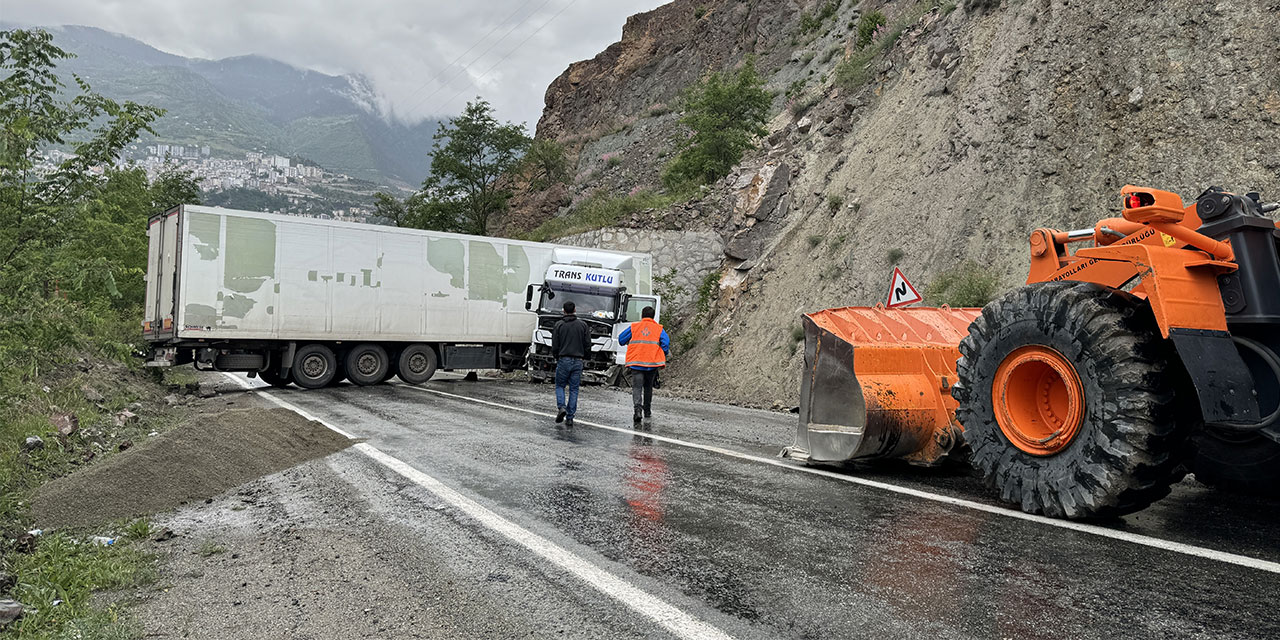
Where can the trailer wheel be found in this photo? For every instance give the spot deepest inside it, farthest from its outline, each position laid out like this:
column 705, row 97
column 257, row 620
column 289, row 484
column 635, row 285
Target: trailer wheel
column 417, row 363
column 314, row 366
column 367, row 364
column 1066, row 397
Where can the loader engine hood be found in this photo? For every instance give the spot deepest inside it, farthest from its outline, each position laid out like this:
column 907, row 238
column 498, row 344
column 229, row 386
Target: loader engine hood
column 877, row 384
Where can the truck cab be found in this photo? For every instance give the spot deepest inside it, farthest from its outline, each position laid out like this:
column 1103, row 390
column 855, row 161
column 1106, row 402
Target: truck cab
column 602, row 302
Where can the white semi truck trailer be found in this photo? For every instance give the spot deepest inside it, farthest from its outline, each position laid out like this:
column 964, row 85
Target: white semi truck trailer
column 312, row 302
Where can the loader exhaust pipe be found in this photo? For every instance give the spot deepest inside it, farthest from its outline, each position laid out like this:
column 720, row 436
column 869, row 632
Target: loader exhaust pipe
column 877, row 385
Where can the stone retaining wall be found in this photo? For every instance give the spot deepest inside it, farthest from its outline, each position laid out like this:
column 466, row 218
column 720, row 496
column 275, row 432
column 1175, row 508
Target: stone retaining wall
column 686, row 256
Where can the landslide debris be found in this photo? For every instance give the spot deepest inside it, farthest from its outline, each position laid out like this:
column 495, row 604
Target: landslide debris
column 194, row 462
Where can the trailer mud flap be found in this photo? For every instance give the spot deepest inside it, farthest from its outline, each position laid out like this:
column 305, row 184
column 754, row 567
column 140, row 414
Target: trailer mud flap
column 1219, row 375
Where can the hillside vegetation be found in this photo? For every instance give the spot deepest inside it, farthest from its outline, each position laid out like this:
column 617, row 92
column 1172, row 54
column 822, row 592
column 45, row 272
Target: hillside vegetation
column 72, row 260
column 933, row 136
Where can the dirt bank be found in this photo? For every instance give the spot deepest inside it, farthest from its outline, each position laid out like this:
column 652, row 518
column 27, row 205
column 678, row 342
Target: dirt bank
column 192, row 463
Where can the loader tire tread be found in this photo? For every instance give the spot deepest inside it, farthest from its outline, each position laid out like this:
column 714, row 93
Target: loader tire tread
column 1127, row 452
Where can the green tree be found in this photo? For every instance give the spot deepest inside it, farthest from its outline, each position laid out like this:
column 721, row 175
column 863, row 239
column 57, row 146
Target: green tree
column 104, row 253
column 43, row 203
column 545, row 164
column 417, row 212
column 725, row 113
column 471, row 153
column 174, row 185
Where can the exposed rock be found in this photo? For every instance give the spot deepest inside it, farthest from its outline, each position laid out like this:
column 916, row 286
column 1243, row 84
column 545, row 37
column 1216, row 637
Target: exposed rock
column 1135, row 97
column 172, row 399
column 91, row 394
column 7, row 582
column 65, row 423
column 126, row 417
column 955, row 126
column 10, row 610
column 206, row 390
column 33, row 443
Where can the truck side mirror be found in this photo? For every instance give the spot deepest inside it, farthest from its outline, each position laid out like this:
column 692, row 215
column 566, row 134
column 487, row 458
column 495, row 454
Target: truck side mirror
column 528, row 298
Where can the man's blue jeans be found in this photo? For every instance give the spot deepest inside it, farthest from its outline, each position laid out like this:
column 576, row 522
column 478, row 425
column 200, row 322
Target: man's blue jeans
column 568, row 374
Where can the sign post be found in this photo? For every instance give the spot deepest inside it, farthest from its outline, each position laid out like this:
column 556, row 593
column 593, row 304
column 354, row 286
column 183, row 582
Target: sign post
column 901, row 292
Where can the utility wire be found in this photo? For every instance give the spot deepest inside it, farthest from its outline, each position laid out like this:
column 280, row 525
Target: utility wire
column 509, row 53
column 484, row 53
column 440, row 76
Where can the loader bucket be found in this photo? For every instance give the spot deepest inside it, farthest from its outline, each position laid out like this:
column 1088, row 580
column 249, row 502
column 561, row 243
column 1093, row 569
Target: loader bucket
column 877, row 384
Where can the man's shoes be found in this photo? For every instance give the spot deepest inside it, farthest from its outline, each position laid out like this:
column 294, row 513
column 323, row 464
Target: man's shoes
column 568, row 422
column 560, row 417
column 635, row 419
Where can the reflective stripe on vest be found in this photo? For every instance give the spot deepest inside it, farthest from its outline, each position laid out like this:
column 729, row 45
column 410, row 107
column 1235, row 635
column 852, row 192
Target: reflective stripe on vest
column 645, row 347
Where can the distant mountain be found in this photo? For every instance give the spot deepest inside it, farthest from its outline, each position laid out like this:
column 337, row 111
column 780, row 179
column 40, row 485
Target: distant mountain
column 252, row 103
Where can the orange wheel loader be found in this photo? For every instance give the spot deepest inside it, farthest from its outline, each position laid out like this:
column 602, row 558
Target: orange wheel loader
column 1119, row 367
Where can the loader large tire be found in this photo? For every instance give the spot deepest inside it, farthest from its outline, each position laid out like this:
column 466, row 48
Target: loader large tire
column 1247, row 463
column 1117, row 444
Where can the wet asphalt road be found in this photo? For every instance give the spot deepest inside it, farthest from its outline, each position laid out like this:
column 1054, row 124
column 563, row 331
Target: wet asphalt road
column 759, row 551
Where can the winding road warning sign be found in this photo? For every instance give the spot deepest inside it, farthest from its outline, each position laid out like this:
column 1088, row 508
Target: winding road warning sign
column 901, row 293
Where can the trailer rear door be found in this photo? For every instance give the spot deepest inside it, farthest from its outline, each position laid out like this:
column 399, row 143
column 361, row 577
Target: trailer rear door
column 162, row 271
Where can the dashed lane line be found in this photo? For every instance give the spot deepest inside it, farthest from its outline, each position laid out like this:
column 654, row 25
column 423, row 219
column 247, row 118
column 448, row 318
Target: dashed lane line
column 1125, row 536
column 673, row 619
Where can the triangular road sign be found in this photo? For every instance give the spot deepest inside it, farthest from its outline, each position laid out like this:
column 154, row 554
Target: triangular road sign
column 901, row 293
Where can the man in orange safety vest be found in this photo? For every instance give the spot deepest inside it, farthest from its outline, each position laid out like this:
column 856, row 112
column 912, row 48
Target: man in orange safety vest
column 647, row 346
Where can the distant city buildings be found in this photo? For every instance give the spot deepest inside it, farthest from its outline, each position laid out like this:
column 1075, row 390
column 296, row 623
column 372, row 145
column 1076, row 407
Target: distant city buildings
column 295, row 188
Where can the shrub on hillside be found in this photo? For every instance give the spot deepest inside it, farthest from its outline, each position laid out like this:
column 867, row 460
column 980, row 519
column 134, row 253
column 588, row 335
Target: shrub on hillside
column 967, row 285
column 545, row 164
column 867, row 26
column 724, row 113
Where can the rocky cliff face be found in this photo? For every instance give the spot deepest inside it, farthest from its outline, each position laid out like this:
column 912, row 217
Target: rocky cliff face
column 975, row 125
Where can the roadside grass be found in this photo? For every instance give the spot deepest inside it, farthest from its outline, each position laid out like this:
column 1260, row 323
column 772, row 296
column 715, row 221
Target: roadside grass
column 209, row 548
column 601, row 210
column 57, row 580
column 62, row 359
column 139, row 529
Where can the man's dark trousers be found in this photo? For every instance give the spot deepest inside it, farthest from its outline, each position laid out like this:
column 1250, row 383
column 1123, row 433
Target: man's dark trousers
column 568, row 374
column 642, row 390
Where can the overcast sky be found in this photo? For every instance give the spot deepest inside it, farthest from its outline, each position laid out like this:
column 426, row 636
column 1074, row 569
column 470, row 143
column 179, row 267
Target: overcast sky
column 424, row 57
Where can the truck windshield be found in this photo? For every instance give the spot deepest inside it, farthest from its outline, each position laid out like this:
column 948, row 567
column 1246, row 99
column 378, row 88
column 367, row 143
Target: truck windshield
column 590, row 305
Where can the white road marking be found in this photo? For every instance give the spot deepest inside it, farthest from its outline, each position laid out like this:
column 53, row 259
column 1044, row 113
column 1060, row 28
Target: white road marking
column 673, row 619
column 1125, row 536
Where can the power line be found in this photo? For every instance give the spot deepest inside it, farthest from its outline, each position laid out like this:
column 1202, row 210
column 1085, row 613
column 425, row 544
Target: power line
column 509, row 53
column 475, row 44
column 466, row 67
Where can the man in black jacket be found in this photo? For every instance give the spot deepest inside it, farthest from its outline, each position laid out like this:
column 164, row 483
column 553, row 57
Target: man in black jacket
column 570, row 343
